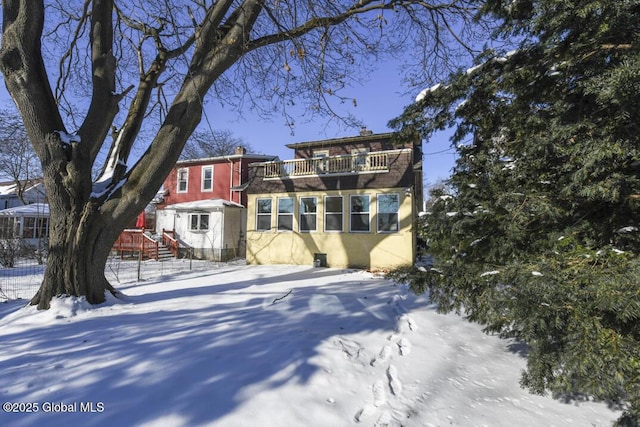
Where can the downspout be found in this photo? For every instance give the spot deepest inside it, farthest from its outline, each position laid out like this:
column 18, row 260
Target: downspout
column 230, row 177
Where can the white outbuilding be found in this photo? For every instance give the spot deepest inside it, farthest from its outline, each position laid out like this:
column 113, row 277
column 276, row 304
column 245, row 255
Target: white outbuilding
column 212, row 229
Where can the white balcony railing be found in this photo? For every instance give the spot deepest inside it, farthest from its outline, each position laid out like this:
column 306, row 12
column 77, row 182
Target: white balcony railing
column 347, row 164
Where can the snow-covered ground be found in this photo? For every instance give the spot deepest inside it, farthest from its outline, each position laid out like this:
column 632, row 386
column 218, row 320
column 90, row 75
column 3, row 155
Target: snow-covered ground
column 264, row 346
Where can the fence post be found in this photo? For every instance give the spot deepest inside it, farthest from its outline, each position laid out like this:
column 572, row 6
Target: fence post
column 140, row 257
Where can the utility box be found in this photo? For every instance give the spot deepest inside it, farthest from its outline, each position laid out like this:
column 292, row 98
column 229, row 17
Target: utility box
column 319, row 260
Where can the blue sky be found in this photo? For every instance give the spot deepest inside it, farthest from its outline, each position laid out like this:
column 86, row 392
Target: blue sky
column 379, row 99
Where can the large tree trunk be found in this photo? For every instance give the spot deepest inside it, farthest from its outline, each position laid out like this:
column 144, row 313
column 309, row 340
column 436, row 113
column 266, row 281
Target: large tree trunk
column 80, row 239
column 76, row 262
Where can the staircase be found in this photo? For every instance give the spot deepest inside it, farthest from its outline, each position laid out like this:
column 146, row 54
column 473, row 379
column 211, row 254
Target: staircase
column 135, row 241
column 164, row 252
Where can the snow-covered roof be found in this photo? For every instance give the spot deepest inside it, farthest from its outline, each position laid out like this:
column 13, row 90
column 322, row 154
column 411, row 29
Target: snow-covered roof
column 224, row 159
column 7, row 189
column 35, row 209
column 203, row 205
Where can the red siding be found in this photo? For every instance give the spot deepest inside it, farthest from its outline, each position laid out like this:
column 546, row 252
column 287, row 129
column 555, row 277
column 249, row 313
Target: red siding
column 226, row 174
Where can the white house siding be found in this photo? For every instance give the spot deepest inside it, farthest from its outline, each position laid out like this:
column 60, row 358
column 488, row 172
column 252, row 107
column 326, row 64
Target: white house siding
column 220, row 241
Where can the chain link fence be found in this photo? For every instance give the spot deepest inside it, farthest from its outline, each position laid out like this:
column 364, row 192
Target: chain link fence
column 23, row 280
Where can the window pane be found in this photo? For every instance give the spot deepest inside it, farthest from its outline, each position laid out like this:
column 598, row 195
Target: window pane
column 182, row 180
column 388, row 203
column 388, row 207
column 263, row 214
column 333, row 204
column 308, row 209
column 29, row 228
column 333, row 213
column 359, row 204
column 285, row 205
column 333, row 222
column 388, row 222
column 264, row 206
column 359, row 222
column 207, row 178
column 359, row 213
column 194, row 222
column 285, row 222
column 42, row 227
column 204, row 222
column 264, row 223
column 308, row 205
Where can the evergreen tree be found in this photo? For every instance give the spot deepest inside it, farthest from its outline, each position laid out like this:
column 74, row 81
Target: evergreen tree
column 539, row 237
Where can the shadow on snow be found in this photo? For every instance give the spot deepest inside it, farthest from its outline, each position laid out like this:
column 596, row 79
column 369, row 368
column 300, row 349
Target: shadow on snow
column 168, row 354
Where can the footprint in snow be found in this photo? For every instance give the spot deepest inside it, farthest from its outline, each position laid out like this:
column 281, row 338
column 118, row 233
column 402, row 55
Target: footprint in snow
column 379, row 395
column 405, row 346
column 412, row 324
column 384, row 420
column 394, row 383
column 405, row 323
column 384, row 354
column 351, row 349
column 364, row 413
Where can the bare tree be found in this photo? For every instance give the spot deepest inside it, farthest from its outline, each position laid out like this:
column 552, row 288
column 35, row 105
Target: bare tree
column 212, row 144
column 159, row 60
column 18, row 161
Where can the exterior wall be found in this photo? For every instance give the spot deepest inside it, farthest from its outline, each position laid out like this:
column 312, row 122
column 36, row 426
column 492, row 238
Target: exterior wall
column 228, row 172
column 235, row 233
column 221, row 183
column 374, row 249
column 221, row 242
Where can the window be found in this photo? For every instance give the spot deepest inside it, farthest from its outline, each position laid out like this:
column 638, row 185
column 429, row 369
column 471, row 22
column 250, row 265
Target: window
column 263, row 215
column 360, row 213
column 321, row 161
column 42, row 228
column 28, row 227
column 34, row 228
column 7, row 227
column 183, row 179
column 333, row 213
column 207, row 178
column 308, row 213
column 285, row 214
column 359, row 158
column 388, row 206
column 198, row 222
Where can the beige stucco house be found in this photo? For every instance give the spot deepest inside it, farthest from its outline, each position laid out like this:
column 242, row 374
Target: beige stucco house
column 345, row 202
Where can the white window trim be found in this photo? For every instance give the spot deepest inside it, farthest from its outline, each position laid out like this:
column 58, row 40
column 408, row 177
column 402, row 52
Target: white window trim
column 378, row 213
column 341, row 212
column 199, row 228
column 258, row 214
column 368, row 213
column 300, row 214
column 292, row 214
column 209, row 167
column 186, row 188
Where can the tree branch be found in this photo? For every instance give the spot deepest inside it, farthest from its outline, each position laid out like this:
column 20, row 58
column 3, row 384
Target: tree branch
column 24, row 71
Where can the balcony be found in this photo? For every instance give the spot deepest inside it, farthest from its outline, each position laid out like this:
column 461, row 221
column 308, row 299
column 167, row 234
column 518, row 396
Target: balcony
column 374, row 162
